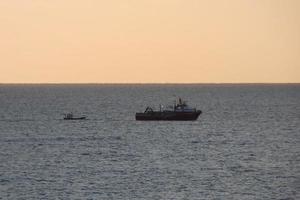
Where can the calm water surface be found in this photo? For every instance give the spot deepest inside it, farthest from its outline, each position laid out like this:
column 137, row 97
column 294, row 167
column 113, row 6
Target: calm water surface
column 245, row 145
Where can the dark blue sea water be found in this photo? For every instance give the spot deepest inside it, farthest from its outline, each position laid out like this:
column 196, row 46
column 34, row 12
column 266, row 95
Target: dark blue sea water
column 245, row 145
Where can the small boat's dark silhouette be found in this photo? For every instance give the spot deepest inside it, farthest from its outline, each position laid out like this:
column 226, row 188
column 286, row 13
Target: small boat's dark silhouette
column 180, row 111
column 69, row 116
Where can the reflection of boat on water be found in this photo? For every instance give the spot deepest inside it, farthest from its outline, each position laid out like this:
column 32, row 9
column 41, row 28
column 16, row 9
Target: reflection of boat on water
column 180, row 111
column 70, row 116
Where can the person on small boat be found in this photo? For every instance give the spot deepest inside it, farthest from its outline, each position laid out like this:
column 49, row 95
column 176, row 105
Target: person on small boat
column 69, row 115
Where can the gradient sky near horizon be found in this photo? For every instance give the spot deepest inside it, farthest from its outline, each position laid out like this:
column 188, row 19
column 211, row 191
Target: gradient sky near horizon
column 149, row 41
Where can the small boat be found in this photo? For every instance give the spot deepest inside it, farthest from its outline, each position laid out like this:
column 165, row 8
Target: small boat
column 179, row 112
column 69, row 116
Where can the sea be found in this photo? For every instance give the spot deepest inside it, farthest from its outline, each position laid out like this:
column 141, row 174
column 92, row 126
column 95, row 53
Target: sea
column 244, row 145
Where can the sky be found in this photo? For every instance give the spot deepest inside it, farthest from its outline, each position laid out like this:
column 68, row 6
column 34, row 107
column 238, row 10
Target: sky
column 149, row 41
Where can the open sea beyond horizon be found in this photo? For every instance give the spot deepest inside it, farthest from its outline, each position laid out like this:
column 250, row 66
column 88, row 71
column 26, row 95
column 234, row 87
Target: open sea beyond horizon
column 245, row 144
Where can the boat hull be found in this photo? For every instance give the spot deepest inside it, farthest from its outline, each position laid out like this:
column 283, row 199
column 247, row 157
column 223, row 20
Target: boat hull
column 168, row 116
column 75, row 118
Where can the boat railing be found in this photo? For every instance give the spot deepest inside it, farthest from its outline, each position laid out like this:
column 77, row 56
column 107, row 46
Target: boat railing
column 148, row 110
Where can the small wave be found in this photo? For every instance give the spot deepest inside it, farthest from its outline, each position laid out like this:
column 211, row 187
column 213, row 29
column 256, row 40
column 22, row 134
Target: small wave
column 17, row 120
column 39, row 140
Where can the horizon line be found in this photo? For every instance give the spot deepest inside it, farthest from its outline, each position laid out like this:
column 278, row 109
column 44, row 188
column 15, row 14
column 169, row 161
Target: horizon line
column 146, row 83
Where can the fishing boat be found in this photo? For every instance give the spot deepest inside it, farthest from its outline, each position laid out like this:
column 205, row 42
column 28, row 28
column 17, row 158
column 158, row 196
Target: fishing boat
column 180, row 111
column 70, row 116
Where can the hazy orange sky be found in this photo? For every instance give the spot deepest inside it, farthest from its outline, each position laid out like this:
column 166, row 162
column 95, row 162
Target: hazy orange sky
column 163, row 41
